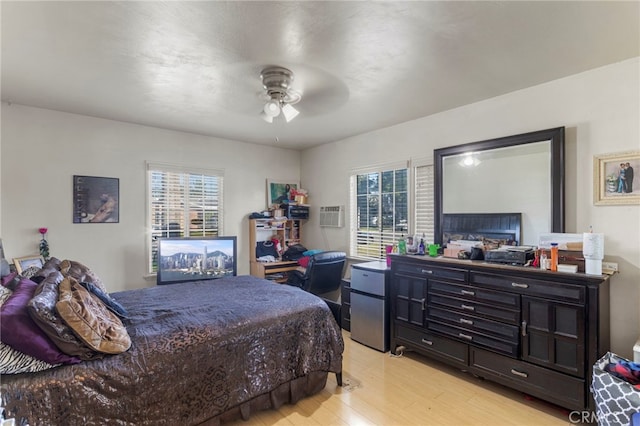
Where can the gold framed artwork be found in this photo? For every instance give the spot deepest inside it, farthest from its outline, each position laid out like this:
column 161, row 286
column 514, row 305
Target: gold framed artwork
column 23, row 263
column 614, row 178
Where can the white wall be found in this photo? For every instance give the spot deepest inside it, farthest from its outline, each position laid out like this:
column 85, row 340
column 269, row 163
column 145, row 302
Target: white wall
column 601, row 112
column 43, row 149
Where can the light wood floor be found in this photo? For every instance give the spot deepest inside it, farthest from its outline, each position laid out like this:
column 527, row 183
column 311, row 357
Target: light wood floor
column 410, row 390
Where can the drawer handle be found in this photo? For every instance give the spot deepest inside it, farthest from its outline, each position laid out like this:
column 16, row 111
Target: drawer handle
column 519, row 373
column 365, row 275
column 523, row 327
column 468, row 308
column 422, row 303
column 466, row 321
column 426, row 271
column 465, row 336
column 427, row 342
column 468, row 293
column 519, row 285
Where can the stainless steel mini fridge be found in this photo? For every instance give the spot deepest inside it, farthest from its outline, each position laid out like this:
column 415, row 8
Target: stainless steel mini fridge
column 370, row 304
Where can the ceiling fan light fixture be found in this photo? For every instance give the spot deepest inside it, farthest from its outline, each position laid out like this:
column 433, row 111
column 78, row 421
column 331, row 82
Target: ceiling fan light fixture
column 266, row 117
column 289, row 112
column 278, row 93
column 469, row 160
column 272, row 108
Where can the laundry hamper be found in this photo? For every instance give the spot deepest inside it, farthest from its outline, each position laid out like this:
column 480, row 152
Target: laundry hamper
column 616, row 399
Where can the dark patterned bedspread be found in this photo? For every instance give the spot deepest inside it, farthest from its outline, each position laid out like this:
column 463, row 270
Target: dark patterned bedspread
column 198, row 350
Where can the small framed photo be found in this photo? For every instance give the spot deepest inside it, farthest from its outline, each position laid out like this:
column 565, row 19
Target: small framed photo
column 24, row 263
column 96, row 199
column 614, row 178
column 279, row 191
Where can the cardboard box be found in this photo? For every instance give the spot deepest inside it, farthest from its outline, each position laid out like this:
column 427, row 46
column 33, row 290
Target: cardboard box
column 570, row 257
column 452, row 252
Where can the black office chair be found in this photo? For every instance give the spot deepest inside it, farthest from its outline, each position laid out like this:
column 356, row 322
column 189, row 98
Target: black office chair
column 323, row 274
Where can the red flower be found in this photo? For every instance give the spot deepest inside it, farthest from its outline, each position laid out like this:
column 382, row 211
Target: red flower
column 43, row 230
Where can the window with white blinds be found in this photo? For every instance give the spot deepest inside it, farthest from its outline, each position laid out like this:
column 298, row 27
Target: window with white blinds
column 379, row 211
column 182, row 203
column 424, row 220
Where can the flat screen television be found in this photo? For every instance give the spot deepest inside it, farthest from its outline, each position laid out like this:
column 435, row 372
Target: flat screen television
column 195, row 259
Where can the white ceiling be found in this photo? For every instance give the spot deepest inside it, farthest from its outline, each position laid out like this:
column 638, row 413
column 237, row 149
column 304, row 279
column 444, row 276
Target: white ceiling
column 194, row 66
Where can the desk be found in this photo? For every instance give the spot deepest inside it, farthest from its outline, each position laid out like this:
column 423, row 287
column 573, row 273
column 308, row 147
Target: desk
column 272, row 270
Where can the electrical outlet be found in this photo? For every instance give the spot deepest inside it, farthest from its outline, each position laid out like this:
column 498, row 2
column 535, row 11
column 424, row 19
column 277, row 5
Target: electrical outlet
column 611, row 266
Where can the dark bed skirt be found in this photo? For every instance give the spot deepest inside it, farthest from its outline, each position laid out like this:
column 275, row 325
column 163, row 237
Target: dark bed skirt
column 287, row 393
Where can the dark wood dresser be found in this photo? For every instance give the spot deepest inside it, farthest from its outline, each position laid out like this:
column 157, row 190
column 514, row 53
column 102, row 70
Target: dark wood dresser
column 536, row 331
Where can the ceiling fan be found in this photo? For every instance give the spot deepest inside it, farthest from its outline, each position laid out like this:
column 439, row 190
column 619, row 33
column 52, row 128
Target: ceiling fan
column 279, row 95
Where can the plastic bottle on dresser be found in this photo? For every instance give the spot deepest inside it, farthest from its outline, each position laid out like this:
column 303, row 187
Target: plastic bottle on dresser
column 402, row 245
column 543, row 259
column 421, row 246
column 554, row 257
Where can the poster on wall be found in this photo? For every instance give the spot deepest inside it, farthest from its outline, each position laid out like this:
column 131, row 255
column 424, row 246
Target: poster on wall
column 96, row 199
column 615, row 181
column 279, row 191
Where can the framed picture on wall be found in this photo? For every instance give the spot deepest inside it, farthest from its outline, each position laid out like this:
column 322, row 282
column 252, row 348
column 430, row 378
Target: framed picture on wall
column 278, row 191
column 615, row 180
column 96, row 199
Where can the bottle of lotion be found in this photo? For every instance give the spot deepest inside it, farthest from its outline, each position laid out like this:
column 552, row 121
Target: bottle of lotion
column 543, row 259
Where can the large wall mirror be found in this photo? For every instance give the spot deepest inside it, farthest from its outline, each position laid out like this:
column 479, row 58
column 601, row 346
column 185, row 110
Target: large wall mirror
column 514, row 174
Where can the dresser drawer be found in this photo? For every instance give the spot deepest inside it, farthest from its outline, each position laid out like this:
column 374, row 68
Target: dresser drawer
column 429, row 342
column 509, row 300
column 548, row 289
column 427, row 271
column 538, row 381
column 509, row 333
column 474, row 308
column 473, row 338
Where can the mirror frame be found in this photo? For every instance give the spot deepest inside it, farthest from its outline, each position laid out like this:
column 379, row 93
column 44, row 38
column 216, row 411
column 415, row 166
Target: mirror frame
column 555, row 135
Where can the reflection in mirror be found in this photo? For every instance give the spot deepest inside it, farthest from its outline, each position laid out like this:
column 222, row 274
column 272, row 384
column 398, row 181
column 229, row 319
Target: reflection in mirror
column 516, row 174
column 476, row 182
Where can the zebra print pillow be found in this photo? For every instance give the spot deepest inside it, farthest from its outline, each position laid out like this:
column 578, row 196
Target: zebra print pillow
column 13, row 361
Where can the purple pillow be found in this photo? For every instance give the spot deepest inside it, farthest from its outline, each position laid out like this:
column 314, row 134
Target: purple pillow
column 18, row 330
column 6, row 280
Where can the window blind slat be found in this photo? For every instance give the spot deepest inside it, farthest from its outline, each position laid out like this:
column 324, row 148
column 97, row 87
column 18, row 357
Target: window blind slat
column 182, row 204
column 424, row 201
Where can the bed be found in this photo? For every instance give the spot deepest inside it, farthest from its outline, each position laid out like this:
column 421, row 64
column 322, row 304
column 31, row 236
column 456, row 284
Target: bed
column 201, row 352
column 492, row 228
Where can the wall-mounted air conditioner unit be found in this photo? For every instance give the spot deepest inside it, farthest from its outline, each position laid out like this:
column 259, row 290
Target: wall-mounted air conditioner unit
column 332, row 216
